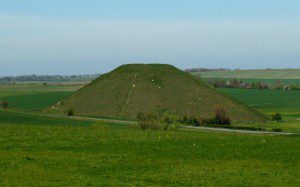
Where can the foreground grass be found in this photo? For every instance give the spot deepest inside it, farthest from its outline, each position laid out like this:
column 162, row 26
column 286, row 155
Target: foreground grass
column 125, row 155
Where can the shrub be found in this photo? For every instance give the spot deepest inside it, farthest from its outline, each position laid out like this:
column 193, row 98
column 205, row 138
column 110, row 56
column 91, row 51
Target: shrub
column 4, row 104
column 148, row 121
column 153, row 121
column 70, row 112
column 276, row 117
column 189, row 121
column 277, row 130
column 221, row 117
column 206, row 121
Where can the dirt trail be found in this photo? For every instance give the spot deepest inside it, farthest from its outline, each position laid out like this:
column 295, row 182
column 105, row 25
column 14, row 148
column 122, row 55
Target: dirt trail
column 129, row 94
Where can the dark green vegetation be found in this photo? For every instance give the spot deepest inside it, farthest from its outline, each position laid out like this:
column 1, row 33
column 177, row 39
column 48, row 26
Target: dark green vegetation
column 131, row 89
column 269, row 101
column 34, row 101
column 107, row 155
column 34, row 97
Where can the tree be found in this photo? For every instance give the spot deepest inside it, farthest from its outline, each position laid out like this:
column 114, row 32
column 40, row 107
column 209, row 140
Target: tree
column 70, row 112
column 276, row 117
column 221, row 117
column 4, row 104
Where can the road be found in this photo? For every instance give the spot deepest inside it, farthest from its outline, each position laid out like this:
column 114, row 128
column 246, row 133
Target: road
column 193, row 128
column 235, row 130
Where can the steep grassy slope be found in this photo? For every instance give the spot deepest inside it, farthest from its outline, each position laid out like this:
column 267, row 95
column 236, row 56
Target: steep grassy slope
column 130, row 89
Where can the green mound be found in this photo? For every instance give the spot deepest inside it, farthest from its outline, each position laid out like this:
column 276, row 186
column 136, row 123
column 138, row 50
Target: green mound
column 131, row 89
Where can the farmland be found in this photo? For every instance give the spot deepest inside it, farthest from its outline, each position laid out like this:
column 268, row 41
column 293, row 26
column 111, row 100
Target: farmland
column 267, row 76
column 35, row 97
column 254, row 74
column 124, row 155
column 57, row 150
column 269, row 101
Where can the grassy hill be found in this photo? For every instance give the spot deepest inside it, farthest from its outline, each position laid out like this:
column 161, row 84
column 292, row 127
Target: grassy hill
column 131, row 89
column 254, row 74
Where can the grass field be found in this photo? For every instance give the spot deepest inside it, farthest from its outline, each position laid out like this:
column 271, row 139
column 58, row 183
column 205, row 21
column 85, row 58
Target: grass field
column 14, row 117
column 39, row 150
column 251, row 80
column 269, row 101
column 35, row 101
column 34, row 97
column 255, row 74
column 124, row 155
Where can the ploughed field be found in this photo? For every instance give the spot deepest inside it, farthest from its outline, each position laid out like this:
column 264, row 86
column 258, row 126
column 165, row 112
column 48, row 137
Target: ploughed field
column 37, row 149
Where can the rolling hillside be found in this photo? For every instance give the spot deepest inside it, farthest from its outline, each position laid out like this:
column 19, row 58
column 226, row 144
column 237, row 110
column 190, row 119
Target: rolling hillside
column 131, row 89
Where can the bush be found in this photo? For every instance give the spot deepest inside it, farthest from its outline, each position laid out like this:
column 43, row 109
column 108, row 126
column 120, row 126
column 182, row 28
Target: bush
column 152, row 121
column 4, row 104
column 70, row 112
column 276, row 117
column 277, row 130
column 221, row 117
column 148, row 121
column 189, row 121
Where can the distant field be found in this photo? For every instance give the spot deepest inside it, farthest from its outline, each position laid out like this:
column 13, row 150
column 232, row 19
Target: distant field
column 34, row 101
column 268, row 81
column 32, row 97
column 106, row 155
column 12, row 117
column 269, row 101
column 20, row 89
column 254, row 74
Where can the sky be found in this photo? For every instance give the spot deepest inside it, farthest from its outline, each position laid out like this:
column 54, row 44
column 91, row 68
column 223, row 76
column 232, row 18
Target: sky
column 95, row 36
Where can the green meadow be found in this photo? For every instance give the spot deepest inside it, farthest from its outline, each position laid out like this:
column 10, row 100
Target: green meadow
column 44, row 150
column 269, row 101
column 99, row 154
column 35, row 97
